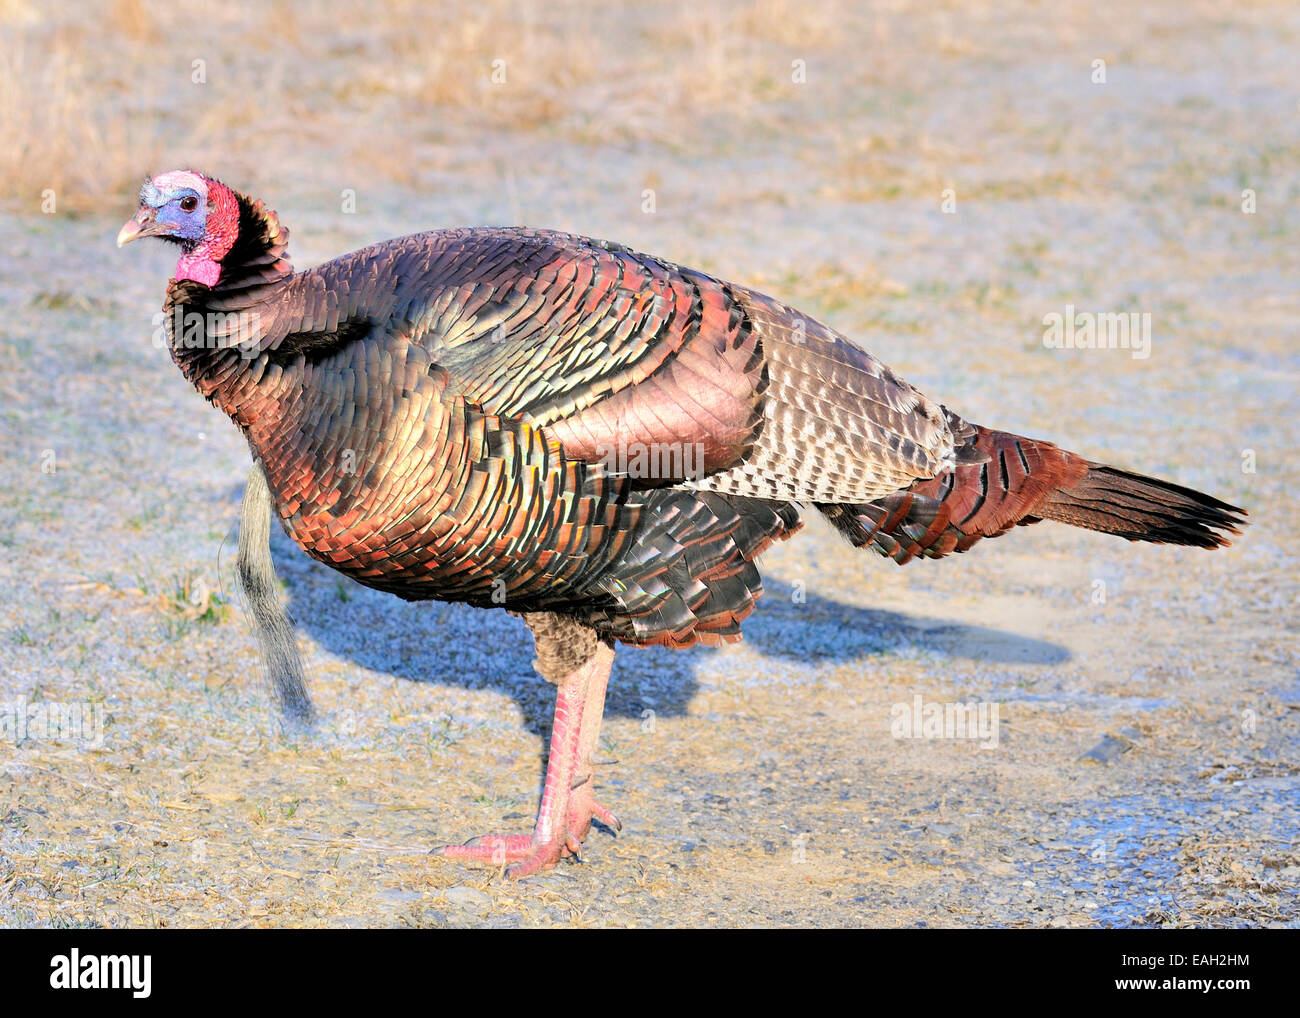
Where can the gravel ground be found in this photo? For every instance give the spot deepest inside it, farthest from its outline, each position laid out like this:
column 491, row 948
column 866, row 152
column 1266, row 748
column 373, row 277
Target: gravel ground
column 1146, row 769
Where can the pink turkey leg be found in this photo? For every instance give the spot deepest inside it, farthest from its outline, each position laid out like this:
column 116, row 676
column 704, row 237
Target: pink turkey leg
column 582, row 796
column 563, row 819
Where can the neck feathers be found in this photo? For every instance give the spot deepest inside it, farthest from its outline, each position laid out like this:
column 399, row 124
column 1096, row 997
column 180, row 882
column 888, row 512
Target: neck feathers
column 249, row 253
column 222, row 315
column 259, row 254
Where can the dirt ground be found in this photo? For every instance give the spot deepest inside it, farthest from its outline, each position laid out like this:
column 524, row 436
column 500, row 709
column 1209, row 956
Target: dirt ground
column 1145, row 769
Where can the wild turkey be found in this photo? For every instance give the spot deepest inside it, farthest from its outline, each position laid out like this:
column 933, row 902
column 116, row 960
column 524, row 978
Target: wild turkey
column 468, row 415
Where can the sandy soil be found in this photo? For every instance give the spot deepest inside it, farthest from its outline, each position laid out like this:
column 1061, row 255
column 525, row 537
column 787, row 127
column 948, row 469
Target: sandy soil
column 1147, row 764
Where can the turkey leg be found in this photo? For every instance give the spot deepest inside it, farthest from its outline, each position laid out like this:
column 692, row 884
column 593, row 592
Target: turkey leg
column 578, row 662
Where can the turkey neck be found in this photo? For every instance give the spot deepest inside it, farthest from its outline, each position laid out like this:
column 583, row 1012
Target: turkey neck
column 224, row 338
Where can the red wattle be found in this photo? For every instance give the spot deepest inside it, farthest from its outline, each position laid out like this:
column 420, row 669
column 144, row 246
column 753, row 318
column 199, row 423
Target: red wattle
column 198, row 268
column 203, row 264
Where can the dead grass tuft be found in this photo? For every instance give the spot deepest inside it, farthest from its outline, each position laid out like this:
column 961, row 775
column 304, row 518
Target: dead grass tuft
column 55, row 135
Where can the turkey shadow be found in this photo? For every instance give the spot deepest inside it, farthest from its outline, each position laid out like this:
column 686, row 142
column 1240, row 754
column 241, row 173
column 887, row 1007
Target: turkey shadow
column 478, row 648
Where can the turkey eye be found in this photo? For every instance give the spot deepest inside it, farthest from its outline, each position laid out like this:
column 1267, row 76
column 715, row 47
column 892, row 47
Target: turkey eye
column 189, row 203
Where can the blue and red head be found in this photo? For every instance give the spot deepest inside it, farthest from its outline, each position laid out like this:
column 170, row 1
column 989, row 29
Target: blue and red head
column 196, row 212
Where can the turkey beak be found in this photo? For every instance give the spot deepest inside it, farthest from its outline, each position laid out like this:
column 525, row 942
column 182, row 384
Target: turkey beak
column 143, row 224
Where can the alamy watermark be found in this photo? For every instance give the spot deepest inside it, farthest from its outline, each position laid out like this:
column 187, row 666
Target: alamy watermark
column 1099, row 330
column 77, row 971
column 52, row 720
column 945, row 720
column 657, row 461
column 214, row 330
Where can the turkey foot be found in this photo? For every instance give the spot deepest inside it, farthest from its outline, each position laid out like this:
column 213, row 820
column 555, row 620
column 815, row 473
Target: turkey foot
column 568, row 804
column 528, row 854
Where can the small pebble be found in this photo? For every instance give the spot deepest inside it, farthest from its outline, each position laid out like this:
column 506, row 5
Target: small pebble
column 467, row 897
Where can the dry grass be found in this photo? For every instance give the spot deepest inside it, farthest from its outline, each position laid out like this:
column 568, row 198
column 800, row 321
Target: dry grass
column 94, row 94
column 53, row 134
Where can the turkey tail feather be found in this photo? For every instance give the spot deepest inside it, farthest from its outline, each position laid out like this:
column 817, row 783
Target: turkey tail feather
column 274, row 628
column 1003, row 480
column 1142, row 508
